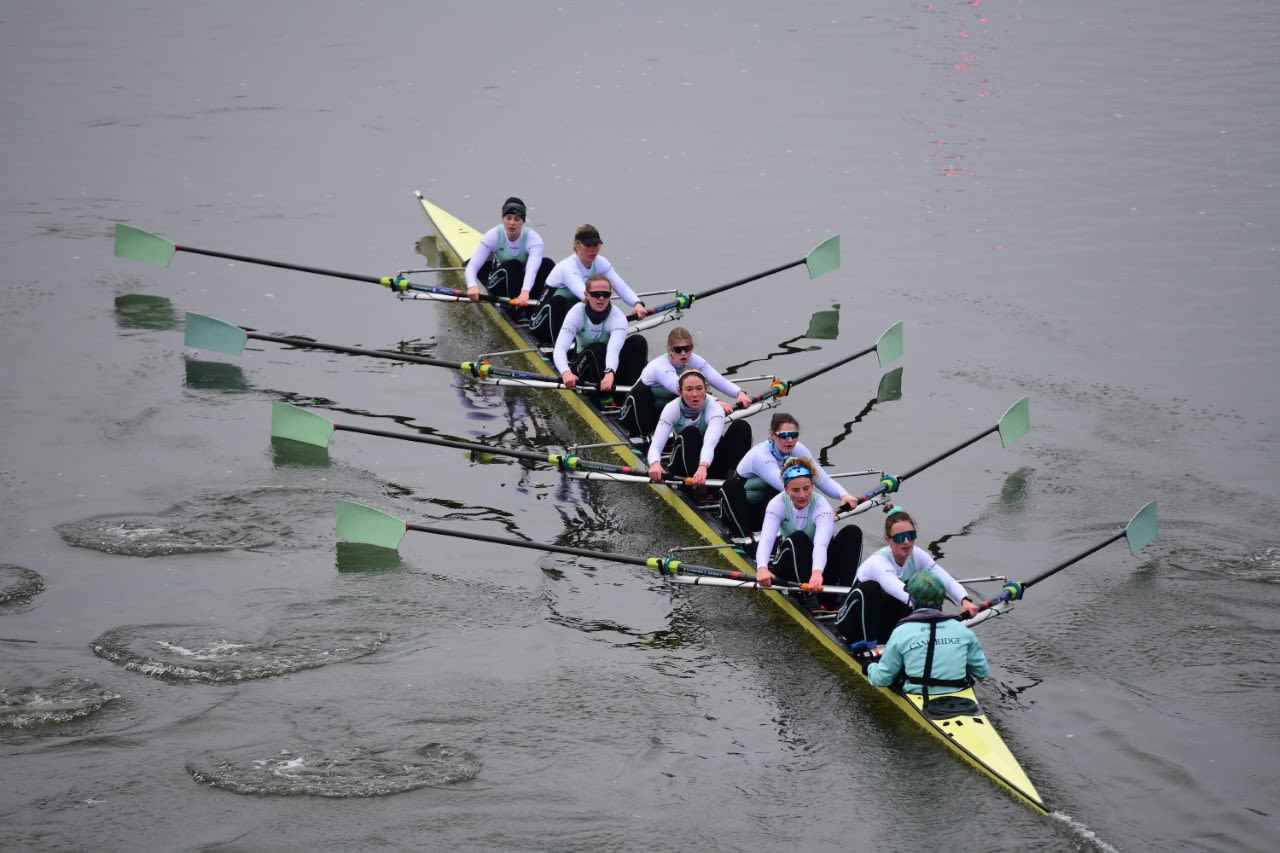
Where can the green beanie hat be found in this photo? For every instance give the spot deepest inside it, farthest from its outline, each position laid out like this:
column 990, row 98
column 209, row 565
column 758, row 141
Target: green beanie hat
column 926, row 589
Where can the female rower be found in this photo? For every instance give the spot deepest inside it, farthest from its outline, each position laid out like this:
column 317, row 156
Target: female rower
column 659, row 384
column 759, row 477
column 796, row 542
column 701, row 443
column 510, row 259
column 880, row 598
column 593, row 343
column 929, row 652
column 568, row 281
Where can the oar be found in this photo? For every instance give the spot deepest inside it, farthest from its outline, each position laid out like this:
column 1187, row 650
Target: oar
column 1013, row 425
column 1141, row 531
column 139, row 245
column 888, row 347
column 369, row 526
column 823, row 258
column 203, row 332
column 296, row 424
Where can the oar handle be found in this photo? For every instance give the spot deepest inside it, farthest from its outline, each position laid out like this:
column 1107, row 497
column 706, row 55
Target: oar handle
column 569, row 462
column 403, row 285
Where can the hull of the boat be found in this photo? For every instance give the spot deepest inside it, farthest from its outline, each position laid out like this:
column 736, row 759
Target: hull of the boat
column 970, row 735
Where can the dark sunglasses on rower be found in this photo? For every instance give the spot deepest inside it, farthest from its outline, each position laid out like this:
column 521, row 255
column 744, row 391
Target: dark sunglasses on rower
column 682, row 348
column 788, row 434
column 599, row 294
column 904, row 536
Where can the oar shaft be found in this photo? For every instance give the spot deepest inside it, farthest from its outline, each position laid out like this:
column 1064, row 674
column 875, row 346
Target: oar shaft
column 1072, row 561
column 689, row 300
column 935, row 460
column 280, row 264
column 816, row 373
column 532, row 546
column 373, row 353
column 661, row 564
column 750, row 278
column 446, row 442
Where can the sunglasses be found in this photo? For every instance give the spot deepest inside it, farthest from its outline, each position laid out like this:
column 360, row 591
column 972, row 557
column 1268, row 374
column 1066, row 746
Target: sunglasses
column 682, row 348
column 788, row 434
column 904, row 536
column 599, row 294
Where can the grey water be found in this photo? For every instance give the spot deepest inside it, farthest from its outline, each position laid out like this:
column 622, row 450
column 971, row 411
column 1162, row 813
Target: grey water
column 1073, row 202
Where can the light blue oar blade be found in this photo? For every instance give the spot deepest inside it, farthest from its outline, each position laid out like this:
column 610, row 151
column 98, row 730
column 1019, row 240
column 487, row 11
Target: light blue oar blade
column 1141, row 530
column 824, row 258
column 889, row 347
column 360, row 523
column 298, row 424
column 207, row 333
column 1015, row 423
column 890, row 386
column 138, row 245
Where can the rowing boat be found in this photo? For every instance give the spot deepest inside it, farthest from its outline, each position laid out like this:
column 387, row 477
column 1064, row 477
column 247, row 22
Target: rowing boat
column 956, row 719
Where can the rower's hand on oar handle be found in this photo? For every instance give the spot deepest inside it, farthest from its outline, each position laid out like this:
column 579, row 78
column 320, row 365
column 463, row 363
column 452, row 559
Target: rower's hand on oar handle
column 641, row 311
column 569, row 378
column 851, row 502
column 656, row 473
column 473, row 293
column 814, row 584
column 764, row 577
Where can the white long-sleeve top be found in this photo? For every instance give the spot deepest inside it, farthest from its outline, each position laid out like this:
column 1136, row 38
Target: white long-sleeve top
column 765, row 462
column 489, row 244
column 712, row 428
column 660, row 371
column 881, row 568
column 824, row 523
column 572, row 275
column 613, row 329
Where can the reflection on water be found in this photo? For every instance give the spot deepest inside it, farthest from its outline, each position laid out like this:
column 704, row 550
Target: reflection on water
column 286, row 453
column 335, row 770
column 824, row 325
column 140, row 311
column 358, row 557
column 214, row 375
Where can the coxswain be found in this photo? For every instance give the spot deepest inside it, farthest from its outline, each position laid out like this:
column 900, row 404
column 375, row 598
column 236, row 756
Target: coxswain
column 928, row 652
